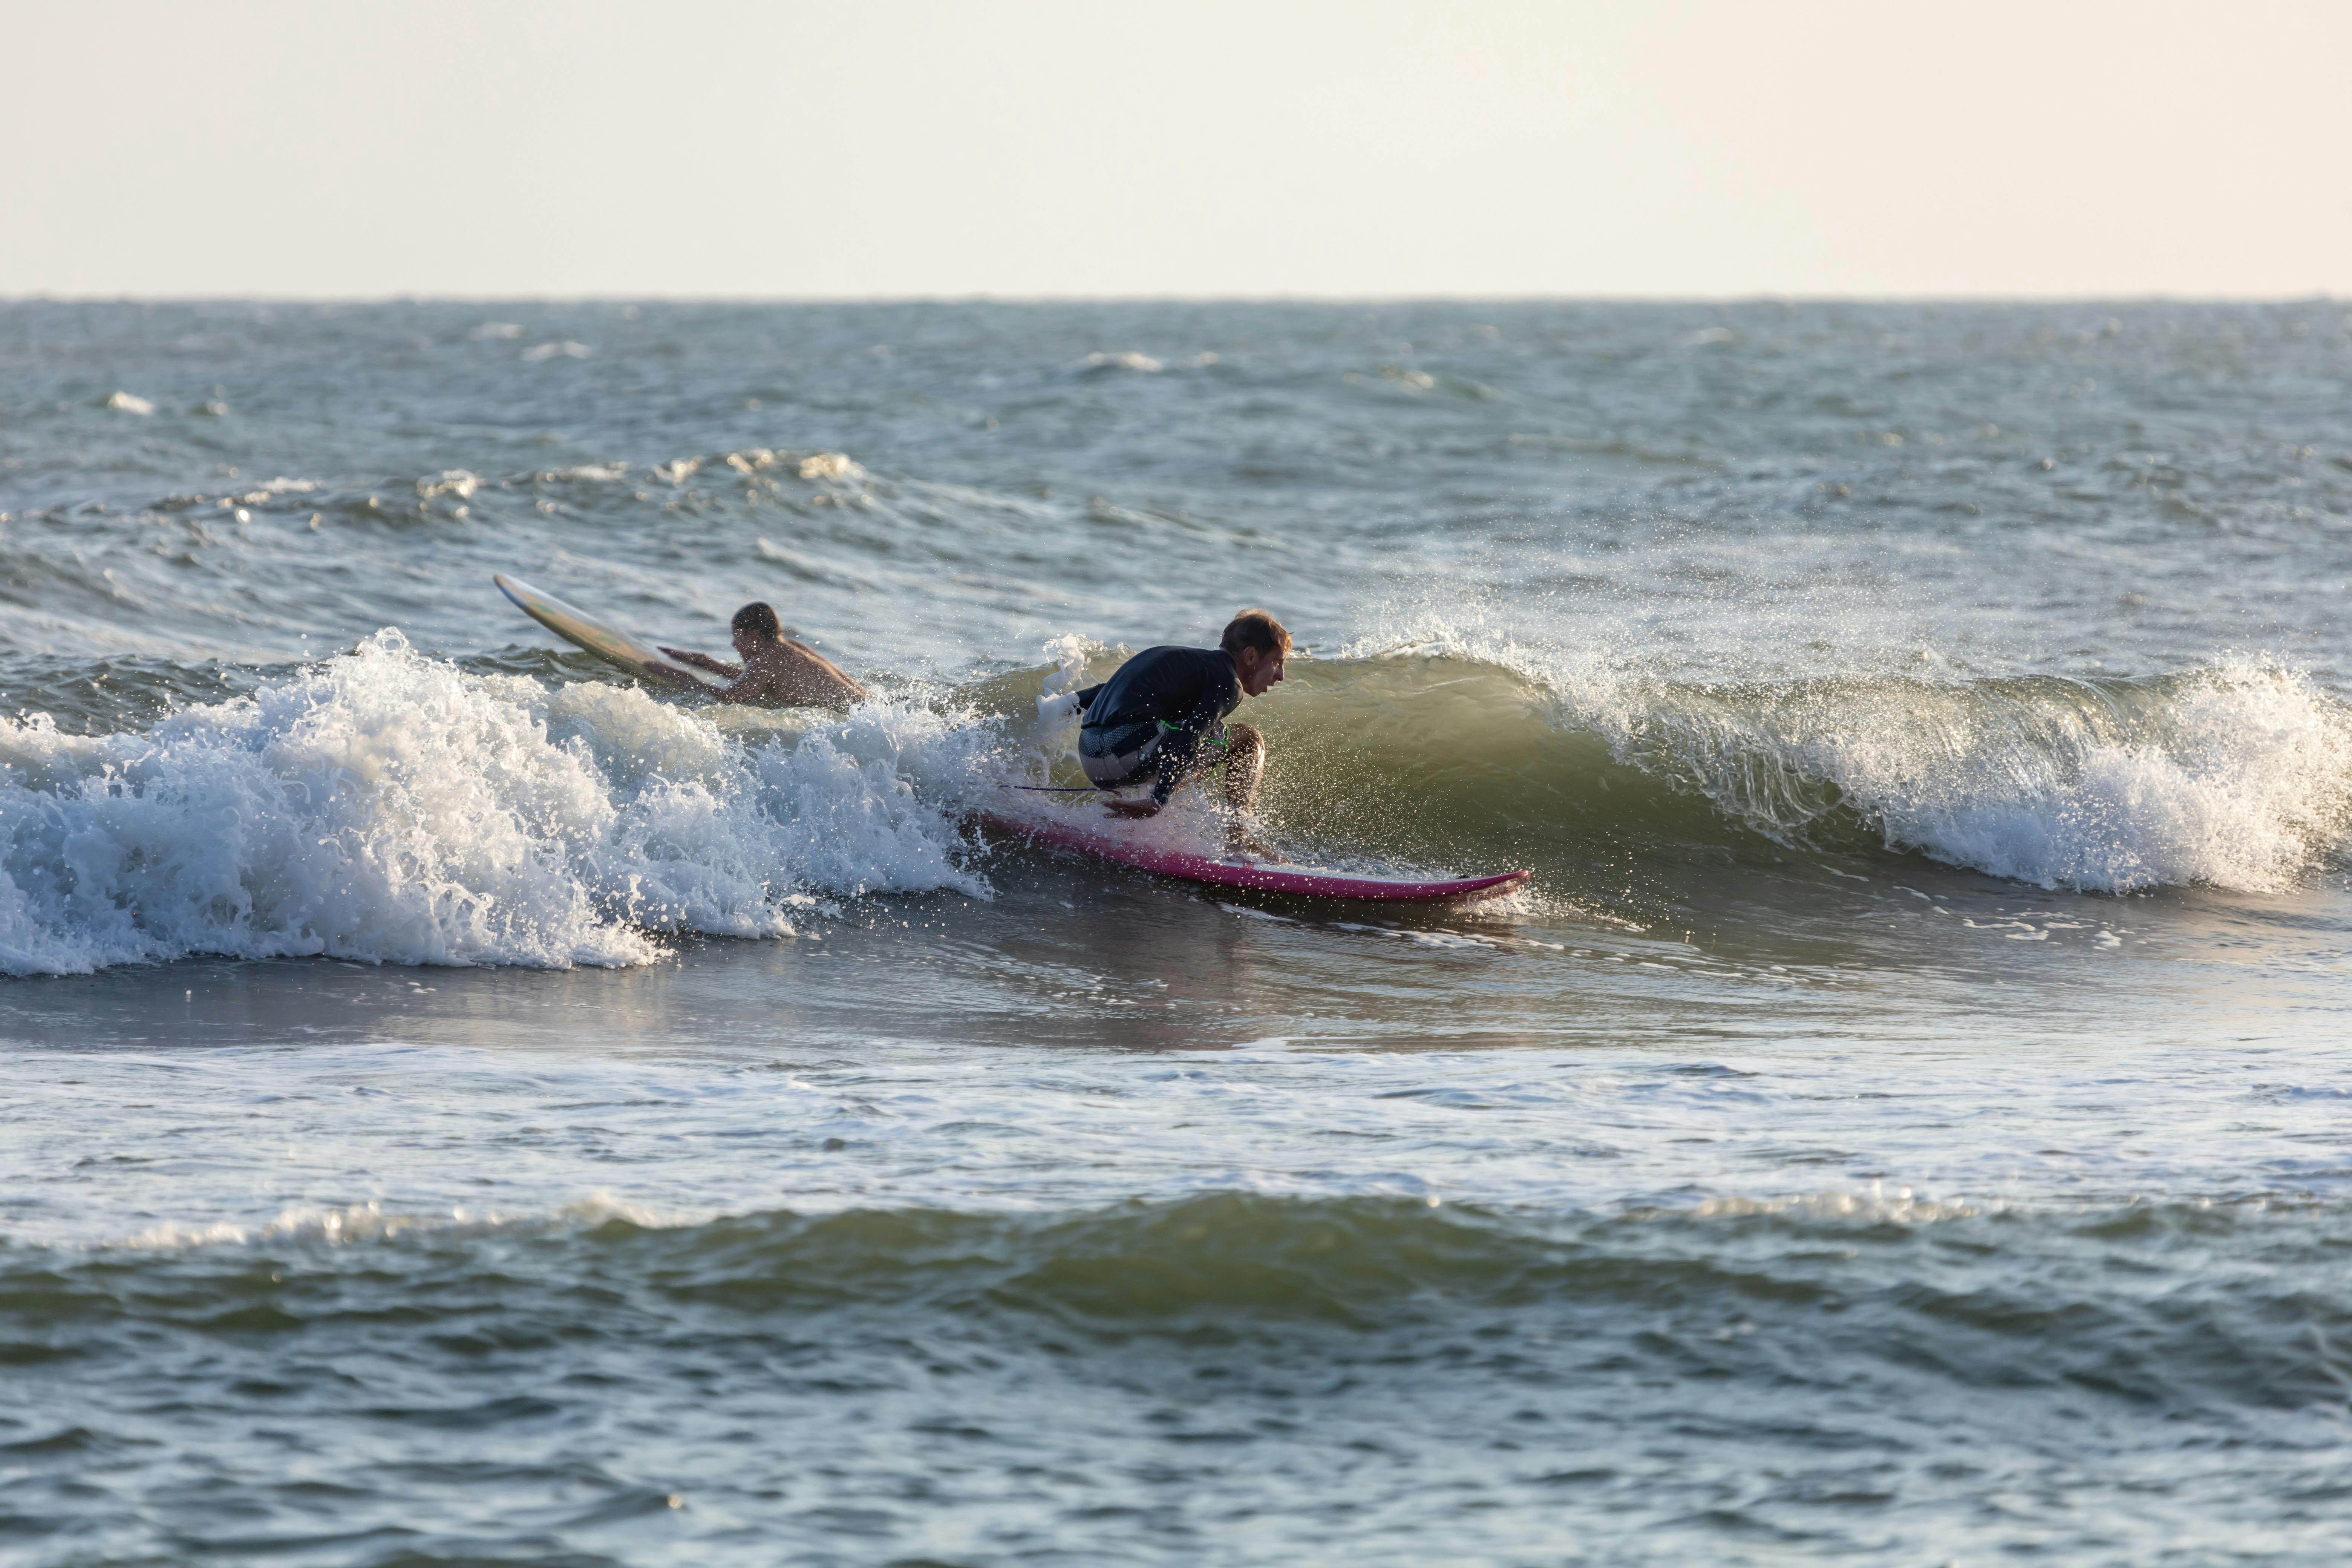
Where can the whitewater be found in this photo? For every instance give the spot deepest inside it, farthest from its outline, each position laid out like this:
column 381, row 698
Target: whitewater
column 524, row 1117
column 389, row 808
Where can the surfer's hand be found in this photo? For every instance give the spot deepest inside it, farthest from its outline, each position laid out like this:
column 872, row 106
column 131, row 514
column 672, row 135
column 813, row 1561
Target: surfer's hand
column 1132, row 807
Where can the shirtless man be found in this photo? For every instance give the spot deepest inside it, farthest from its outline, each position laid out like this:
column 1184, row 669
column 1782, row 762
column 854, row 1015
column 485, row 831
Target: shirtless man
column 776, row 672
column 1162, row 718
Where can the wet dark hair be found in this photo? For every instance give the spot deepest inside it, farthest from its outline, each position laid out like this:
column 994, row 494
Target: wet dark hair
column 1257, row 629
column 759, row 618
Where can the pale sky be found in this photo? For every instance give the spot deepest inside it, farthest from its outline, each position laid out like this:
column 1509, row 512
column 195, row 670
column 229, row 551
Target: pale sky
column 1028, row 148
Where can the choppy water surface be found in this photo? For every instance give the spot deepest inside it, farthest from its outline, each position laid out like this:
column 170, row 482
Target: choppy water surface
column 461, row 1108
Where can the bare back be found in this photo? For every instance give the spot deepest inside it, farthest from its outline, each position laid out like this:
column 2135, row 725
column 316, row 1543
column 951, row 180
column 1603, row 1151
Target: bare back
column 789, row 674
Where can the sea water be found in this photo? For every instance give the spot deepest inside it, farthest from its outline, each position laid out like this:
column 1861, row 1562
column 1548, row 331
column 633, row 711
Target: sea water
column 462, row 1107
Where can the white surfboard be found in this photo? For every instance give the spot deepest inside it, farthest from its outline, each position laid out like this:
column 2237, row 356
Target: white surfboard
column 635, row 655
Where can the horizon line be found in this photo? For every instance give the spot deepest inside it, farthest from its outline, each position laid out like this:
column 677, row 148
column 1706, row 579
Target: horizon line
column 2316, row 297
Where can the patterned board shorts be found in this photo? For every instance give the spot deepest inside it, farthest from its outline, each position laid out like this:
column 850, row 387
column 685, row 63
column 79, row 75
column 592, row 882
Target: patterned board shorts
column 1139, row 763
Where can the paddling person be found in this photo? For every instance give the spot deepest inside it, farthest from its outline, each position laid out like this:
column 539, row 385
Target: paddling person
column 776, row 672
column 1160, row 718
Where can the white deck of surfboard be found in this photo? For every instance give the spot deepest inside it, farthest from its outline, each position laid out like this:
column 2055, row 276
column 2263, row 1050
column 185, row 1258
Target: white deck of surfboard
column 607, row 642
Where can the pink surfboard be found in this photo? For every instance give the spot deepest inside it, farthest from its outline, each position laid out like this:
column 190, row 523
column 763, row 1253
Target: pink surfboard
column 1270, row 878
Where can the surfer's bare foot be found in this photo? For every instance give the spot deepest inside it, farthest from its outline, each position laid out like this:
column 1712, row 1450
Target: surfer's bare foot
column 1254, row 847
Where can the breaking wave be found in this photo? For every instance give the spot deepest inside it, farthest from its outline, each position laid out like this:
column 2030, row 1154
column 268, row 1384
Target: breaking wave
column 387, row 807
column 2236, row 776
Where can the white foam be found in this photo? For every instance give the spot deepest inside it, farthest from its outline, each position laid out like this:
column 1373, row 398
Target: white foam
column 1876, row 1205
column 2238, row 776
column 360, row 1223
column 459, row 482
column 2251, row 792
column 280, row 486
column 1071, row 654
column 385, row 806
column 837, row 466
column 1127, row 359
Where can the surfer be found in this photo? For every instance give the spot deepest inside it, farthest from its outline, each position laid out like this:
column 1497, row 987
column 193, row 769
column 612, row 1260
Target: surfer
column 1160, row 718
column 776, row 672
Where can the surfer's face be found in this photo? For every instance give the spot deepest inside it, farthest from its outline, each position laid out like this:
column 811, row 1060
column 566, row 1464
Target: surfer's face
column 1258, row 670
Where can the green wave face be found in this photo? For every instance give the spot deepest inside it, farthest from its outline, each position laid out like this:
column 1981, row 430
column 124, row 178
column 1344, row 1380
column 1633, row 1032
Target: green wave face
column 2237, row 776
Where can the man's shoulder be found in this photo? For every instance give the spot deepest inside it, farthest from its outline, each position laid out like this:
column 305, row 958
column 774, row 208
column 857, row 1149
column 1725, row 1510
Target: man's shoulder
column 1177, row 653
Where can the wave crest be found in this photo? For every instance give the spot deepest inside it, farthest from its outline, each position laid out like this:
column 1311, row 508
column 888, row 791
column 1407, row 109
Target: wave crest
column 2238, row 775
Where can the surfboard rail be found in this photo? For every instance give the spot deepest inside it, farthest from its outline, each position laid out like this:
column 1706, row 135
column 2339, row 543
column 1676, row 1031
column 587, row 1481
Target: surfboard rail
column 584, row 630
column 1259, row 875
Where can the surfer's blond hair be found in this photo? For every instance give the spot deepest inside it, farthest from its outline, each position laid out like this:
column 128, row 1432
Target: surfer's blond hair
column 1257, row 629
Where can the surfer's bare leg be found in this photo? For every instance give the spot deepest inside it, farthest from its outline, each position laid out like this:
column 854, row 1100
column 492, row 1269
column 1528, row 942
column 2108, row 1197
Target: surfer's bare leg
column 1244, row 767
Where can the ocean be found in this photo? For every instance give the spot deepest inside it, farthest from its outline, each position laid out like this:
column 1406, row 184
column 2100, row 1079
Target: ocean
column 463, row 1107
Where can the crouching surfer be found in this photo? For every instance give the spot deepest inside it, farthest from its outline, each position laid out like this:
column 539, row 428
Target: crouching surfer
column 776, row 672
column 1162, row 718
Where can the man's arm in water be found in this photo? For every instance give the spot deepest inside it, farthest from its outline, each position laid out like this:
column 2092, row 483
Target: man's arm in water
column 682, row 678
column 704, row 662
column 786, row 674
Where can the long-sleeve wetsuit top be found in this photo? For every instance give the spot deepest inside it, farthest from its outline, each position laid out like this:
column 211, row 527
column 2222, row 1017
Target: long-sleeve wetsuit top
column 1181, row 694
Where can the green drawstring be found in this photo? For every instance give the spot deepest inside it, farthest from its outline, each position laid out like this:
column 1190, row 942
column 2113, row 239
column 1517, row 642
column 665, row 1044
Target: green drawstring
column 1222, row 739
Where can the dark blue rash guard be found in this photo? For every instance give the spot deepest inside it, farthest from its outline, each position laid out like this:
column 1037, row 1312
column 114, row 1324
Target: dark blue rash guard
column 1176, row 695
